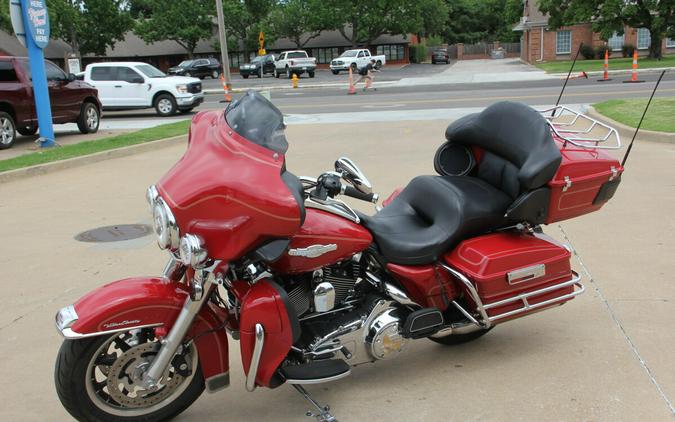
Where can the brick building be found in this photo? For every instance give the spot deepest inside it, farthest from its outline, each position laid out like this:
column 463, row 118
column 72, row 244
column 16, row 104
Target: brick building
column 540, row 43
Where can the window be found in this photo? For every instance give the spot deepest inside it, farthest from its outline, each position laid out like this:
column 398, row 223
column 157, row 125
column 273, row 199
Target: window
column 7, row 73
column 101, row 74
column 615, row 42
column 127, row 75
column 644, row 38
column 391, row 52
column 670, row 42
column 563, row 42
column 296, row 55
column 54, row 73
column 324, row 55
column 361, row 54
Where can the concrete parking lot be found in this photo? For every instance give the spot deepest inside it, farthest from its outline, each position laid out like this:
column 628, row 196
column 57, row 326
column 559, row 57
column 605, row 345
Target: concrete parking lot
column 608, row 355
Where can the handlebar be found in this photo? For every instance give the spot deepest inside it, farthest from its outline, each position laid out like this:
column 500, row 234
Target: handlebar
column 355, row 193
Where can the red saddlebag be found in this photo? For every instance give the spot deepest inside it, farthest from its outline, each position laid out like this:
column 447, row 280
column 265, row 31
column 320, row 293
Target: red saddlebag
column 585, row 181
column 514, row 274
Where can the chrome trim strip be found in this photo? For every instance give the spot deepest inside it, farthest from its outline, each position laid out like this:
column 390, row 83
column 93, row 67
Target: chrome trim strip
column 320, row 380
column 526, row 274
column 333, row 206
column 69, row 334
column 255, row 359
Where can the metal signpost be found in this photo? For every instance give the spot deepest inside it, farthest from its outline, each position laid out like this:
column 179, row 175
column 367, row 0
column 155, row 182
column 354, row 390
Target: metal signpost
column 31, row 26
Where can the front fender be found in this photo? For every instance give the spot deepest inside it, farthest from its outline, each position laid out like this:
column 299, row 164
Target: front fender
column 150, row 302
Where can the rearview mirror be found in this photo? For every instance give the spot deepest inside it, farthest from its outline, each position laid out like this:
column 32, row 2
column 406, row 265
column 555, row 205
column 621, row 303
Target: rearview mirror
column 351, row 173
column 71, row 77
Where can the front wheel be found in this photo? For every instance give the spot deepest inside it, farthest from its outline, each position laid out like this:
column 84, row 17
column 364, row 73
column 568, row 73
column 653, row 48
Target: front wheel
column 335, row 72
column 215, row 74
column 165, row 105
column 311, row 74
column 89, row 118
column 98, row 379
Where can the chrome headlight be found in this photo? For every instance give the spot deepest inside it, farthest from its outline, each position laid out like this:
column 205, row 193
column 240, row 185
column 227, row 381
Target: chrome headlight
column 182, row 89
column 163, row 221
column 191, row 251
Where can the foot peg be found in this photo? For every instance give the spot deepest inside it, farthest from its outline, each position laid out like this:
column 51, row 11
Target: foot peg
column 423, row 323
column 316, row 372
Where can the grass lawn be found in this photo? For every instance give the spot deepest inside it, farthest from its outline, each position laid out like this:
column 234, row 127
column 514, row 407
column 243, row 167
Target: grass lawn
column 98, row 145
column 659, row 116
column 563, row 66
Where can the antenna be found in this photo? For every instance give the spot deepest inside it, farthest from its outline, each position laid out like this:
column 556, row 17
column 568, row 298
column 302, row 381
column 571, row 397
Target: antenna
column 630, row 146
column 568, row 76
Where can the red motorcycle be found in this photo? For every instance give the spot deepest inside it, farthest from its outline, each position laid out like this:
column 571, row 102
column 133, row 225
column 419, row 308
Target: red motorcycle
column 309, row 286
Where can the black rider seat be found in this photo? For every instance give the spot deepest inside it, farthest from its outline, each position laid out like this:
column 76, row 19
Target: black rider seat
column 433, row 214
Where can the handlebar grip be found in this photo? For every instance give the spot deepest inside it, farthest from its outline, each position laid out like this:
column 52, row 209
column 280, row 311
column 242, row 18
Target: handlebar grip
column 355, row 193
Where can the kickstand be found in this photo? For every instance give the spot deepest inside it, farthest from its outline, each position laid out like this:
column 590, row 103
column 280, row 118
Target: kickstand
column 323, row 414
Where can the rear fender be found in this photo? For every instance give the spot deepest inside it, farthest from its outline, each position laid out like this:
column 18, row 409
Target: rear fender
column 150, row 302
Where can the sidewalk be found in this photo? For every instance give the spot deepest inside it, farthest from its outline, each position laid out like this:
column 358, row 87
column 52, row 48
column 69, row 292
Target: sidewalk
column 605, row 356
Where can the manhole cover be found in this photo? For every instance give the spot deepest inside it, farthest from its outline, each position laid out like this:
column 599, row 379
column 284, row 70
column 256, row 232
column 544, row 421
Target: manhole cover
column 114, row 233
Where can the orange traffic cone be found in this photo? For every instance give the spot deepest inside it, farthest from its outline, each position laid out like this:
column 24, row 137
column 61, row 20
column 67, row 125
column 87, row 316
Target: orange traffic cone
column 579, row 76
column 226, row 89
column 633, row 77
column 352, row 89
column 605, row 76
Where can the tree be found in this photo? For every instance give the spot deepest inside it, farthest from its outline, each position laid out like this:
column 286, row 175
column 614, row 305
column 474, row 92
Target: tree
column 89, row 26
column 301, row 20
column 434, row 15
column 609, row 16
column 246, row 18
column 476, row 21
column 368, row 19
column 185, row 22
column 5, row 22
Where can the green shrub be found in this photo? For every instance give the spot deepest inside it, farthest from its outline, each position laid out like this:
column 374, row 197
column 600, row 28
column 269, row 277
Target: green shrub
column 418, row 53
column 600, row 52
column 587, row 52
column 435, row 40
column 627, row 50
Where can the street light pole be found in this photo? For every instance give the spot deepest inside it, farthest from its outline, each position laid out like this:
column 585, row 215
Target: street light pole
column 225, row 58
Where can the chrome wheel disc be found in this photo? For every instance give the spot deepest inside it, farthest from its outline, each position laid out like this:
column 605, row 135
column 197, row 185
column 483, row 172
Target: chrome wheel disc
column 165, row 106
column 92, row 118
column 6, row 131
column 115, row 373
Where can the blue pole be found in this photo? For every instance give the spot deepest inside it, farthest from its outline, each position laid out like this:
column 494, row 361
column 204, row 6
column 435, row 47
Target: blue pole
column 40, row 88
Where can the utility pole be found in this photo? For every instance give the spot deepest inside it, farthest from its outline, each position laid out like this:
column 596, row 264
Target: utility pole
column 225, row 58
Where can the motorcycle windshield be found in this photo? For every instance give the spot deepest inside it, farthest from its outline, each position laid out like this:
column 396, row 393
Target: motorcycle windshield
column 259, row 121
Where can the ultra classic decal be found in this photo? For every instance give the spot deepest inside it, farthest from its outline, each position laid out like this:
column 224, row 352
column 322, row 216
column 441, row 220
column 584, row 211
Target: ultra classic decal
column 313, row 251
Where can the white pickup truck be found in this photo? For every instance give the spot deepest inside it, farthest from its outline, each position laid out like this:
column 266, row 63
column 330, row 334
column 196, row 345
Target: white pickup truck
column 136, row 85
column 355, row 59
column 297, row 61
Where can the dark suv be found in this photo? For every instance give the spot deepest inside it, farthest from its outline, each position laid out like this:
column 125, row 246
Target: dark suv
column 72, row 101
column 198, row 68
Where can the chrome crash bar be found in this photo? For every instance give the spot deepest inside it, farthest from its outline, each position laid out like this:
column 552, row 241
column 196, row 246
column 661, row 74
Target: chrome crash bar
column 483, row 320
column 576, row 128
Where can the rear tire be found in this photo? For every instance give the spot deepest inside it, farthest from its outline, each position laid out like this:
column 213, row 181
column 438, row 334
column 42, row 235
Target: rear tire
column 276, row 73
column 165, row 105
column 353, row 66
column 72, row 374
column 215, row 74
column 7, row 130
column 89, row 119
column 455, row 339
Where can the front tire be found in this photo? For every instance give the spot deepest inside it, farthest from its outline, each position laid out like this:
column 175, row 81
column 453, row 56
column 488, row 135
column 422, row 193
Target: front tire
column 215, row 74
column 165, row 105
column 89, row 119
column 289, row 75
column 311, row 74
column 335, row 72
column 80, row 363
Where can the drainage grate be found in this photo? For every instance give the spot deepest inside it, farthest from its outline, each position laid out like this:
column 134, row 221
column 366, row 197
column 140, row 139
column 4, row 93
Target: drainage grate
column 114, row 233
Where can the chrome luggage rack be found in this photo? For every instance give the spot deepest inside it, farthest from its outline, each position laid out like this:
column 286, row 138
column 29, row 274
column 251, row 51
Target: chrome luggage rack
column 483, row 320
column 580, row 130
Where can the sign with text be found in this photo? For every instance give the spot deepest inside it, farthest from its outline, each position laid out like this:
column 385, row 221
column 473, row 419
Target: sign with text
column 38, row 21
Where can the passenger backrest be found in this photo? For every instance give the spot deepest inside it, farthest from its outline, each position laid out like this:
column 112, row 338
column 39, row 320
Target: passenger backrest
column 520, row 154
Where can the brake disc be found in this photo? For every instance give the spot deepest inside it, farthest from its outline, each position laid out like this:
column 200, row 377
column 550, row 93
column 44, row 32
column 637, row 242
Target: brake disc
column 126, row 374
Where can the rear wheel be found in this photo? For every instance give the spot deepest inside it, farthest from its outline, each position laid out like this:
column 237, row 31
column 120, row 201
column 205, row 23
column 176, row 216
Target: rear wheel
column 215, row 74
column 89, row 118
column 99, row 379
column 276, row 73
column 353, row 66
column 455, row 339
column 7, row 130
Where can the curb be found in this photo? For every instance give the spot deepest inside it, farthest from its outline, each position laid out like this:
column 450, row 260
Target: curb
column 626, row 132
column 280, row 88
column 46, row 168
column 620, row 72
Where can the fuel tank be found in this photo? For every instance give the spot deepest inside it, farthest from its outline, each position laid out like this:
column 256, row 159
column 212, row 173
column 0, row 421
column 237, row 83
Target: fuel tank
column 323, row 239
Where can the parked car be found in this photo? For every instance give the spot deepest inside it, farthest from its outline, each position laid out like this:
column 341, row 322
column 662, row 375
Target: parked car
column 294, row 62
column 440, row 55
column 72, row 101
column 259, row 66
column 198, row 68
column 356, row 59
column 136, row 85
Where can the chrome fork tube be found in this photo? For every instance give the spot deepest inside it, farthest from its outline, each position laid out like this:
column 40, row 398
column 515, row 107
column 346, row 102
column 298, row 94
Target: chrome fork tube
column 170, row 344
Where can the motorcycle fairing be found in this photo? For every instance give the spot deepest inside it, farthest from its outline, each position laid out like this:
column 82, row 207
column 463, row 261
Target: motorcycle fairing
column 152, row 302
column 266, row 303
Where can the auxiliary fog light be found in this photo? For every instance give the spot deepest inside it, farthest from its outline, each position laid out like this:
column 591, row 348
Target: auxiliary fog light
column 191, row 251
